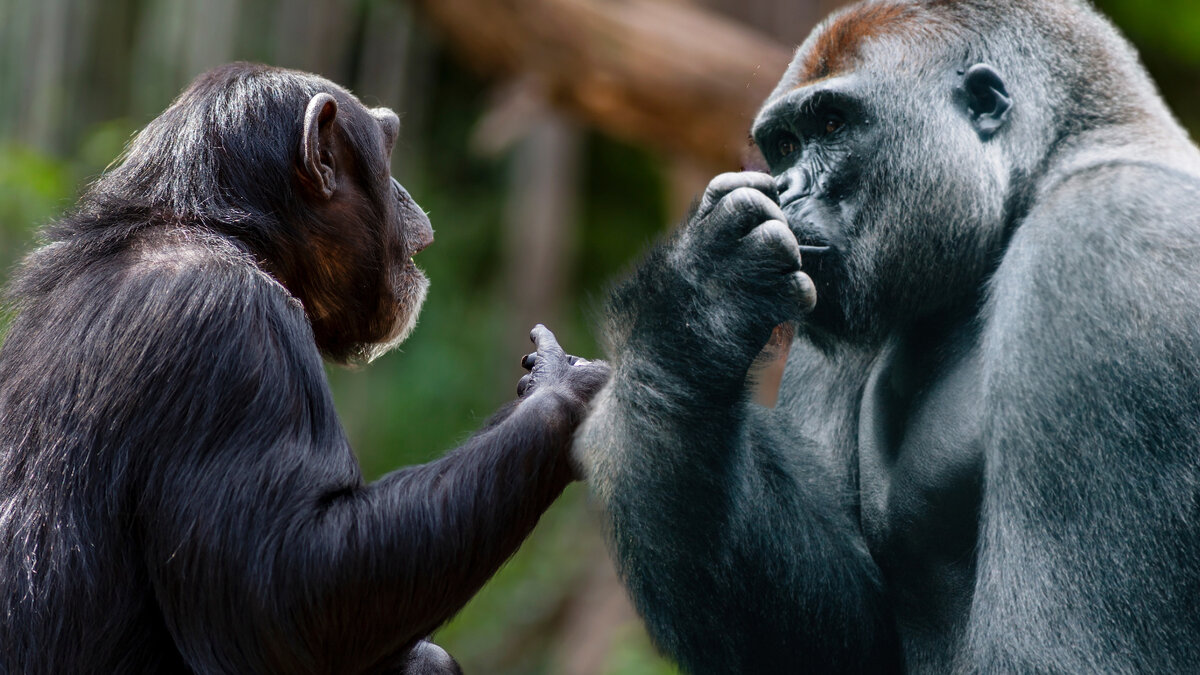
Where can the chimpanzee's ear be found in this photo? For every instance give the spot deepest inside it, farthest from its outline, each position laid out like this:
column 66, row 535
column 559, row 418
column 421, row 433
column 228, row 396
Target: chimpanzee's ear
column 316, row 152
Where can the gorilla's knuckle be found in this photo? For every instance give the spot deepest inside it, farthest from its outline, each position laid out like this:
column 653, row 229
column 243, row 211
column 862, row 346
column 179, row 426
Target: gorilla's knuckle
column 804, row 291
column 746, row 205
column 774, row 241
column 723, row 181
column 775, row 233
column 745, row 197
column 733, row 180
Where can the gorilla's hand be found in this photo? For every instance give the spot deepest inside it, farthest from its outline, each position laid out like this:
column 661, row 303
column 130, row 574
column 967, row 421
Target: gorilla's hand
column 738, row 246
column 550, row 367
column 739, row 267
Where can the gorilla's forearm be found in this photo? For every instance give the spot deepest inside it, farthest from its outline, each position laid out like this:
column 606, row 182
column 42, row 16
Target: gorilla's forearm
column 711, row 520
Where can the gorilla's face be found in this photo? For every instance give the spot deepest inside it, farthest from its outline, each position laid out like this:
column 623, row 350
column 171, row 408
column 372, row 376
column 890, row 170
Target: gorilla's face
column 895, row 196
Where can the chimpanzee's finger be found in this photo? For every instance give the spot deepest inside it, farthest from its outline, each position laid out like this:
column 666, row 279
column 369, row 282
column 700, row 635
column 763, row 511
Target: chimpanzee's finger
column 546, row 343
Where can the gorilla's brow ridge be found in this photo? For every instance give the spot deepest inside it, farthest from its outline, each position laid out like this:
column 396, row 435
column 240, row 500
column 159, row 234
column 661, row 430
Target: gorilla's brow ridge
column 837, row 47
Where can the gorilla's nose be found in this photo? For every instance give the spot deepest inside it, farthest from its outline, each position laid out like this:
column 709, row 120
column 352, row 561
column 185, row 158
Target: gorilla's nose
column 793, row 184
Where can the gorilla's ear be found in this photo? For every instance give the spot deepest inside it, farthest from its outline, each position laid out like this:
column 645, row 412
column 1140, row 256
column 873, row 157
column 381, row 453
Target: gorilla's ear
column 316, row 152
column 987, row 100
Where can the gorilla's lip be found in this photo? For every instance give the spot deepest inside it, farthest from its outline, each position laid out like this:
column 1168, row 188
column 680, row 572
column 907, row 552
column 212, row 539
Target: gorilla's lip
column 811, row 242
column 806, row 249
column 815, row 251
column 814, row 259
column 815, row 242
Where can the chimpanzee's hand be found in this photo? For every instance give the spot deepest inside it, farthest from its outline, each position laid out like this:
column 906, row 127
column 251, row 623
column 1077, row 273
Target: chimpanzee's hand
column 551, row 368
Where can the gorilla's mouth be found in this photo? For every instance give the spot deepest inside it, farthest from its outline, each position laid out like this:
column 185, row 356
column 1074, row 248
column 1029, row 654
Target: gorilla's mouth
column 808, row 249
column 814, row 248
column 819, row 260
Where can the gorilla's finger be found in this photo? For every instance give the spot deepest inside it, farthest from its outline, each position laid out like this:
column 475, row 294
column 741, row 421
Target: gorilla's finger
column 728, row 182
column 523, row 385
column 804, row 291
column 529, row 360
column 743, row 210
column 776, row 240
column 576, row 360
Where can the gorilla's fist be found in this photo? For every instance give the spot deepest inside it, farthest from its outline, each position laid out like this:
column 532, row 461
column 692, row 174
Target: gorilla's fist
column 729, row 277
column 738, row 250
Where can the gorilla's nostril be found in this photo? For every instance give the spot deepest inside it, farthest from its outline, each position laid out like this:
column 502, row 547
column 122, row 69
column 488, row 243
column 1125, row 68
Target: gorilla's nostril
column 794, row 184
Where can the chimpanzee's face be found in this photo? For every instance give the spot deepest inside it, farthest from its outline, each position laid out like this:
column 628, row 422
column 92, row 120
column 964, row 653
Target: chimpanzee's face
column 364, row 290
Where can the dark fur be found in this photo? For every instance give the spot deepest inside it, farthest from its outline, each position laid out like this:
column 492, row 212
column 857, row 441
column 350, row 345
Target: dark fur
column 176, row 492
column 986, row 457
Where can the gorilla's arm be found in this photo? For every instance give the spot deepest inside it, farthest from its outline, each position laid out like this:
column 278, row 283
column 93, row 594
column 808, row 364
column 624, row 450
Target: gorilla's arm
column 267, row 551
column 736, row 542
column 1088, row 543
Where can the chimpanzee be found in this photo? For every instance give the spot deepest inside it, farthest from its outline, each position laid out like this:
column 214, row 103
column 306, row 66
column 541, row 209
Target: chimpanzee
column 176, row 492
column 986, row 455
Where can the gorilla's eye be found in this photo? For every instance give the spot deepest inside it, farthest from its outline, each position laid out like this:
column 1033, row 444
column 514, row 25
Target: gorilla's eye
column 832, row 124
column 788, row 145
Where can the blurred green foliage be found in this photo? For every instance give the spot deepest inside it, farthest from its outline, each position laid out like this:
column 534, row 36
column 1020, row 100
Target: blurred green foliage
column 1168, row 27
column 1167, row 36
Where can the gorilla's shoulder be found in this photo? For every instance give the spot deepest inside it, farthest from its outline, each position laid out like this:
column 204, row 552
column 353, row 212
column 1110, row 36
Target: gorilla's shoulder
column 1128, row 217
column 1111, row 249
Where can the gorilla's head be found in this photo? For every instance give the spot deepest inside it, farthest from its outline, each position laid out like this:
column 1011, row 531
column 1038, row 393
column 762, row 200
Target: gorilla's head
column 906, row 138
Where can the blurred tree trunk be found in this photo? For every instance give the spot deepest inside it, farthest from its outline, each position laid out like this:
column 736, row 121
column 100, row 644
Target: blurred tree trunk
column 540, row 230
column 668, row 75
column 788, row 21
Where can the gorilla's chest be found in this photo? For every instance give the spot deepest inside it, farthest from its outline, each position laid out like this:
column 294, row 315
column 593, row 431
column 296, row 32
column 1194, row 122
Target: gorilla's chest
column 921, row 463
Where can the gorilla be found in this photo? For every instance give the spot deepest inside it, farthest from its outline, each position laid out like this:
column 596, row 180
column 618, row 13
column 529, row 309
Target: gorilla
column 176, row 492
column 983, row 225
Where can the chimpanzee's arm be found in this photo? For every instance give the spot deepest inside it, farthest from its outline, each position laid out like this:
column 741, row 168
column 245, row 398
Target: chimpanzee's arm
column 267, row 551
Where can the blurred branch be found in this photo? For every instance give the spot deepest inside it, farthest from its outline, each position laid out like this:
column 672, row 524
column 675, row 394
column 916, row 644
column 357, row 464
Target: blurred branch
column 668, row 75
